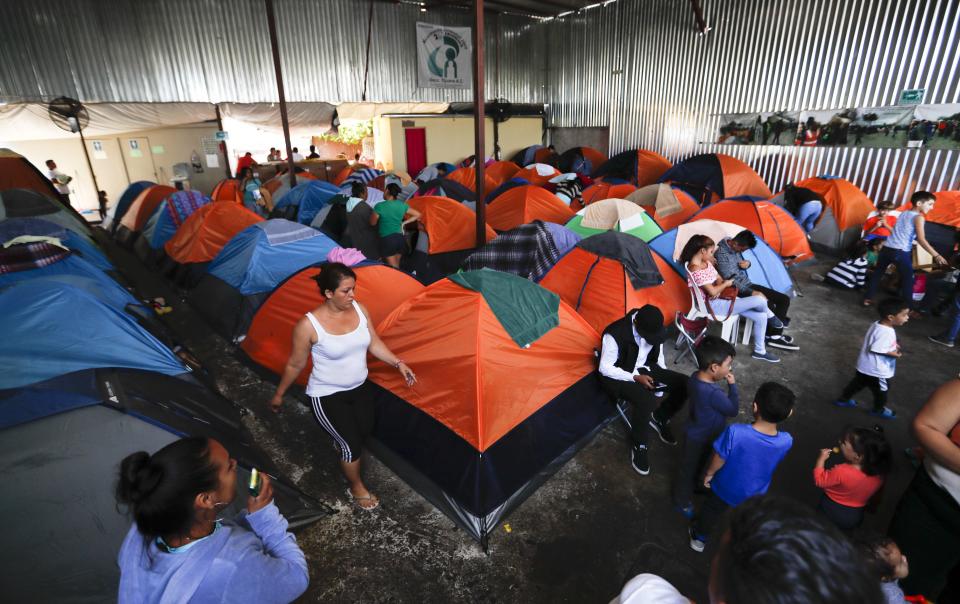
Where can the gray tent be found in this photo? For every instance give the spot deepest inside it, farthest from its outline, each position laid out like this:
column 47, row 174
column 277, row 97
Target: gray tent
column 826, row 236
column 61, row 442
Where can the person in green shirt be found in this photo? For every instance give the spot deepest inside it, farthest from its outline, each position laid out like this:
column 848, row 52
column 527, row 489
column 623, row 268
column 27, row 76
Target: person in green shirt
column 390, row 216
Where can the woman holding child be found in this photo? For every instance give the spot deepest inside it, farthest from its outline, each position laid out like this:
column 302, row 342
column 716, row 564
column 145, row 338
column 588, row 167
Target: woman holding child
column 697, row 257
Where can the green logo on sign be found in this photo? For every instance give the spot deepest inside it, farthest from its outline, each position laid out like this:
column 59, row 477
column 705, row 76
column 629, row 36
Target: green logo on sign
column 443, row 47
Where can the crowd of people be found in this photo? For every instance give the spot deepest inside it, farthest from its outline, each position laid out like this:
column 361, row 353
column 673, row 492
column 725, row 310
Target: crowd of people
column 766, row 548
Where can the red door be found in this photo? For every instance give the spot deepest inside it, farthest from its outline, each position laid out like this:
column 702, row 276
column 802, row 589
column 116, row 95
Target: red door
column 416, row 140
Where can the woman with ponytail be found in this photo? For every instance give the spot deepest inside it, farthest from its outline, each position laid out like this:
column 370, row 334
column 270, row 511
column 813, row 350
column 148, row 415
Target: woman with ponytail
column 180, row 550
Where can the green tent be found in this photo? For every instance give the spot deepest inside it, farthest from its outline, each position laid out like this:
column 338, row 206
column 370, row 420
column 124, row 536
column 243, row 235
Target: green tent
column 614, row 215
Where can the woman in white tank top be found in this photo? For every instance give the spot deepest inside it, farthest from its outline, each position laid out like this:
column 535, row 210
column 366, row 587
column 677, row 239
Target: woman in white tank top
column 337, row 336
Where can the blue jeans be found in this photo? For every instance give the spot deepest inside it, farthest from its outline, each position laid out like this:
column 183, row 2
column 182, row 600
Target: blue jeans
column 753, row 308
column 808, row 213
column 954, row 330
column 904, row 263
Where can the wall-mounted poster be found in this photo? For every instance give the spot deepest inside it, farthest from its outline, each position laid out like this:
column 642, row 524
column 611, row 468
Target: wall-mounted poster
column 935, row 127
column 824, row 128
column 761, row 128
column 884, row 127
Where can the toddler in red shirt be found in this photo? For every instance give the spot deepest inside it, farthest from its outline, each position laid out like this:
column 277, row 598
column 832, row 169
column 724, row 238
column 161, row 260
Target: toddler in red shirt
column 848, row 486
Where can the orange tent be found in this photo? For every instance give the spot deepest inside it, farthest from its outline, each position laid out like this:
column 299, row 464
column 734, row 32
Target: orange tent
column 524, row 204
column 201, row 237
column 717, row 176
column 143, row 207
column 769, row 221
column 16, row 172
column 227, row 189
column 607, row 190
column 946, row 210
column 600, row 289
column 850, row 205
column 342, row 175
column 537, row 174
column 650, row 167
column 474, row 387
column 468, row 178
column 501, row 171
column 670, row 206
column 380, row 289
column 450, row 225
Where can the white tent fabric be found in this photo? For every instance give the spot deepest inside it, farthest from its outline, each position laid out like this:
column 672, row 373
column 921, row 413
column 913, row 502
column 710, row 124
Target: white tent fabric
column 30, row 121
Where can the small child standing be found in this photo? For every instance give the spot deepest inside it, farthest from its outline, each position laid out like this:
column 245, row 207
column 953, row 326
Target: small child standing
column 887, row 563
column 878, row 358
column 744, row 458
column 848, row 487
column 710, row 407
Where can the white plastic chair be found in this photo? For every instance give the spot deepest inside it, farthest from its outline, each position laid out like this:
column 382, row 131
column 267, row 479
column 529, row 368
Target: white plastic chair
column 698, row 310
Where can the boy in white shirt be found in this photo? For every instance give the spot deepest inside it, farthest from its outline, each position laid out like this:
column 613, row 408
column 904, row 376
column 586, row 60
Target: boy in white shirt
column 878, row 358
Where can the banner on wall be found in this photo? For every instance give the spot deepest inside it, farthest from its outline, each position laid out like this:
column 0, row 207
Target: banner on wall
column 444, row 57
column 935, row 127
column 761, row 128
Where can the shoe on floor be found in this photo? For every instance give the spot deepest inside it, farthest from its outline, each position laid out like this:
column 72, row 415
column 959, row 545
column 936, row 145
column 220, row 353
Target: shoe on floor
column 885, row 413
column 941, row 341
column 817, row 277
column 766, row 356
column 663, row 430
column 850, row 403
column 782, row 343
column 640, row 460
column 686, row 511
column 696, row 542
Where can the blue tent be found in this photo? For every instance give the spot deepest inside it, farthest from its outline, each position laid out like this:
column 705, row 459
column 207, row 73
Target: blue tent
column 170, row 214
column 766, row 266
column 71, row 265
column 56, row 326
column 264, row 254
column 123, row 204
column 304, row 201
column 77, row 243
column 250, row 266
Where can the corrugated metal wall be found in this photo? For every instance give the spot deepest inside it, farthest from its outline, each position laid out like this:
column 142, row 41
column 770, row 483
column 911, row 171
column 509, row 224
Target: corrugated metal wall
column 219, row 50
column 760, row 56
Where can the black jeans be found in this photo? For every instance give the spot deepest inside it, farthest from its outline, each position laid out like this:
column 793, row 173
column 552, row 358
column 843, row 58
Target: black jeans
column 878, row 386
column 843, row 516
column 644, row 402
column 694, row 458
column 710, row 512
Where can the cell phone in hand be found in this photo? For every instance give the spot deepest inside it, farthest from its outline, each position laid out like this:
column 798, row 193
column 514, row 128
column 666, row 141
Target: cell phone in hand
column 255, row 483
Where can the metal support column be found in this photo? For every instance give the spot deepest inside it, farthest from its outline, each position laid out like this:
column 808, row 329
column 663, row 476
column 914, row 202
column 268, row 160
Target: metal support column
column 275, row 49
column 479, row 121
column 223, row 144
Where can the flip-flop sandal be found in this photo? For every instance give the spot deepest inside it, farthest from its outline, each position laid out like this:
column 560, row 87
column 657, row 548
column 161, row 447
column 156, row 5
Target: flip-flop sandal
column 357, row 501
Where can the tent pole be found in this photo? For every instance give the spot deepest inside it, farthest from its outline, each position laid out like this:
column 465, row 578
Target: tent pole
column 275, row 49
column 223, row 144
column 479, row 121
column 93, row 175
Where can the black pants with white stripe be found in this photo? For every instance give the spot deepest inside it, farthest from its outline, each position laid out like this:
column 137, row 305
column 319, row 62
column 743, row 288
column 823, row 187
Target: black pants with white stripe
column 877, row 386
column 347, row 416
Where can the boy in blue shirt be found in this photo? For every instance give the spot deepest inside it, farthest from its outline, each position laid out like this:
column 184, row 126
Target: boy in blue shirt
column 710, row 406
column 744, row 458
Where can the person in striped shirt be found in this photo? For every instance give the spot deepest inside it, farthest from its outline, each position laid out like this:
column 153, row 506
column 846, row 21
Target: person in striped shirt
column 851, row 273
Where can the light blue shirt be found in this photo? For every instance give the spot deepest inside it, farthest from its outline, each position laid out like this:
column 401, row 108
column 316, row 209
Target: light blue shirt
column 904, row 232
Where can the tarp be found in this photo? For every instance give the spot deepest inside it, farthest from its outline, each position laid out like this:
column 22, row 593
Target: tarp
column 769, row 221
column 380, row 289
column 450, row 225
column 201, row 237
column 521, row 205
column 633, row 254
column 766, row 266
column 600, row 286
column 616, row 215
column 306, row 200
column 711, row 176
column 528, row 251
column 264, row 254
column 43, row 338
column 670, row 206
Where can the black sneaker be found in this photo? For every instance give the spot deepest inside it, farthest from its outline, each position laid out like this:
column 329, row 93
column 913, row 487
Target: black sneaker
column 782, row 343
column 941, row 341
column 640, row 460
column 663, row 430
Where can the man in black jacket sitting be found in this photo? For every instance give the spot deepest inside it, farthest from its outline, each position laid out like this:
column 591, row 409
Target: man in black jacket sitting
column 632, row 368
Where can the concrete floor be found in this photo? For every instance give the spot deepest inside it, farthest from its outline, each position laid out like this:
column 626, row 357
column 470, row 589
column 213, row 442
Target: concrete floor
column 595, row 523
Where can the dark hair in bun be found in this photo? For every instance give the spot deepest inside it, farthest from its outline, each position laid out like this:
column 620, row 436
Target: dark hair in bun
column 331, row 274
column 160, row 489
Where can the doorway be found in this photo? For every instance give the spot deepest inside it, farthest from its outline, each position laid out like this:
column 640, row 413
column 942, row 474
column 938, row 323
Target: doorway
column 138, row 159
column 416, row 142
